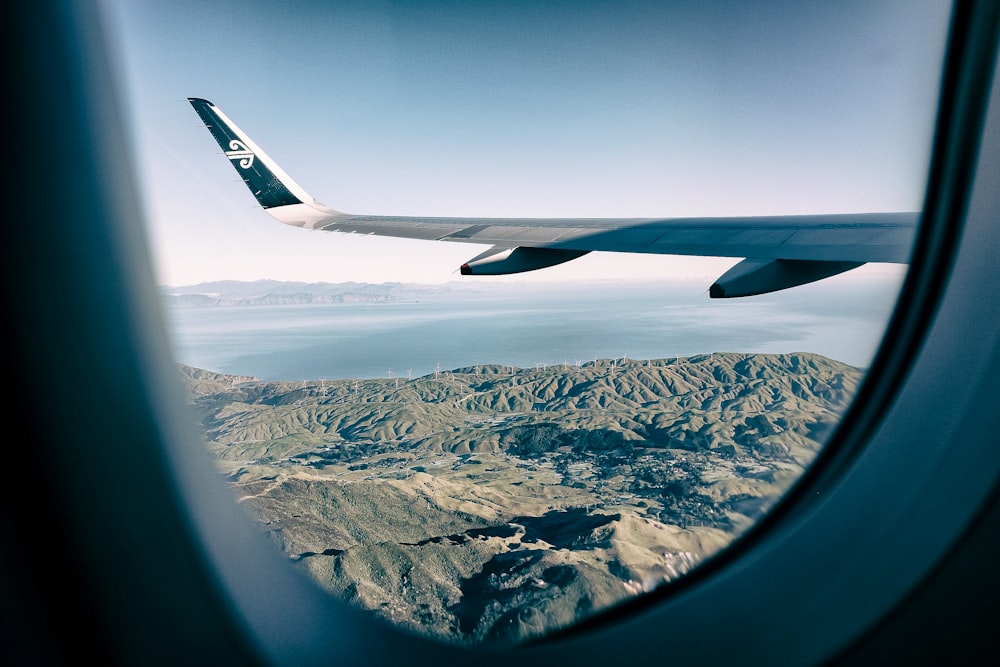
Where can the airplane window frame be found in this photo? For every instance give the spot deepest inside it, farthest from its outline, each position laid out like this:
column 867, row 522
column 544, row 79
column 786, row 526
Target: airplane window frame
column 163, row 561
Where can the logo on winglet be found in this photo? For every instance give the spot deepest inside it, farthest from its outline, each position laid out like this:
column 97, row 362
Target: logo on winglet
column 240, row 152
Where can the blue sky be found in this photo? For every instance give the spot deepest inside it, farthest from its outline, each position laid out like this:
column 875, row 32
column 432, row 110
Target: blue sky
column 520, row 109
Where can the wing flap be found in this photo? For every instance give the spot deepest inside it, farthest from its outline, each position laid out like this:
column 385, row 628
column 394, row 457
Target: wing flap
column 878, row 237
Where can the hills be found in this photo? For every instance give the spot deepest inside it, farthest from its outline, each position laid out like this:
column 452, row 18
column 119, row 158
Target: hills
column 495, row 504
column 278, row 292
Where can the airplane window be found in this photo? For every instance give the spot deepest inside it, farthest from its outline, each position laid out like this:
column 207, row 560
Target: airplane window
column 612, row 275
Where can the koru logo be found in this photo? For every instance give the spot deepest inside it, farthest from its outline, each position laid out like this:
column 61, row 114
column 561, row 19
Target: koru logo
column 240, row 152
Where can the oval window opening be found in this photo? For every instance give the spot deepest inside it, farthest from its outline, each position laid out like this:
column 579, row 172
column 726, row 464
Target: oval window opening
column 478, row 426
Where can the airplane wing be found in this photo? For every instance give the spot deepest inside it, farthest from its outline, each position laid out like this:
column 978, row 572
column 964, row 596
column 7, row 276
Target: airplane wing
column 779, row 251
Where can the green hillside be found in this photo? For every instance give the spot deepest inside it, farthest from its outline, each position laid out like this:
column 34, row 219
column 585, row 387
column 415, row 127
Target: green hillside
column 496, row 503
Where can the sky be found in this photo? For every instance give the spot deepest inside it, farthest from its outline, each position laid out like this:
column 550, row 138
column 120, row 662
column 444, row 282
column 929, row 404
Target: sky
column 519, row 109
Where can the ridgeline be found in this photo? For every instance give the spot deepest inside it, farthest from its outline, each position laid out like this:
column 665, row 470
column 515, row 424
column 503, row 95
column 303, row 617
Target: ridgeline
column 494, row 504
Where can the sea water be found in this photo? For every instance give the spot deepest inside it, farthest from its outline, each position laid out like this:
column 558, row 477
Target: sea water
column 528, row 326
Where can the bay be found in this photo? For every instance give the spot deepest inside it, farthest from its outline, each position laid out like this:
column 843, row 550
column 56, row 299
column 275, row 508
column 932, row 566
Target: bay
column 527, row 326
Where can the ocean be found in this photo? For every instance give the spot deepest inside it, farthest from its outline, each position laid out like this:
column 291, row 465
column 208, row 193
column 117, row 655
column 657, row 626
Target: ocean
column 527, row 326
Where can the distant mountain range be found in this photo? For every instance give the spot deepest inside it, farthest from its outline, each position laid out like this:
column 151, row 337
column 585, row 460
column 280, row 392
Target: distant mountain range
column 495, row 504
column 276, row 292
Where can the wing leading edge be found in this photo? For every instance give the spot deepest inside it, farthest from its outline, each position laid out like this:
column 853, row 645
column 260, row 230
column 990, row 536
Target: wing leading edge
column 779, row 251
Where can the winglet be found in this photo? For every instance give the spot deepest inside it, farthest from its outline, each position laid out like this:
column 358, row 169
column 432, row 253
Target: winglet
column 275, row 190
